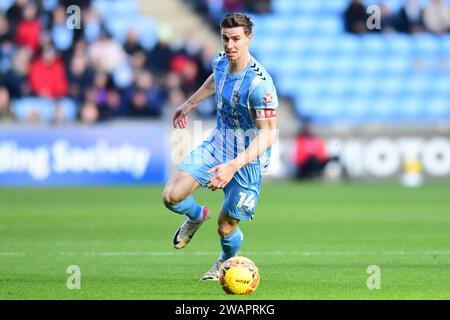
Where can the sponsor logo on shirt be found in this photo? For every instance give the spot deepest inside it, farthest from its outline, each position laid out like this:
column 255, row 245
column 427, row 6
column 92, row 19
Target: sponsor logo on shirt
column 268, row 98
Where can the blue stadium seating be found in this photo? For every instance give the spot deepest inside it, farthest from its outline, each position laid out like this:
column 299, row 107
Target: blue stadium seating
column 336, row 76
column 5, row 4
column 44, row 108
column 119, row 16
column 116, row 7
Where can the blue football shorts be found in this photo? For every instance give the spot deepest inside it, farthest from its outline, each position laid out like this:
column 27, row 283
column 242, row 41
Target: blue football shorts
column 241, row 193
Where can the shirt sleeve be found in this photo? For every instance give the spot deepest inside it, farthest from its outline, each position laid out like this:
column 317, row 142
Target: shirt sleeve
column 264, row 96
column 216, row 60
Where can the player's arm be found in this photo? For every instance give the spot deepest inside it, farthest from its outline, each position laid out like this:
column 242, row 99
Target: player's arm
column 265, row 138
column 180, row 118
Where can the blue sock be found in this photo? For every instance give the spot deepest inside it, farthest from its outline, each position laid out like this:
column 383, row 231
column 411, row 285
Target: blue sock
column 231, row 244
column 188, row 207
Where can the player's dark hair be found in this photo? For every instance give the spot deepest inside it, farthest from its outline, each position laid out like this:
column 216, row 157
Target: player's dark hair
column 237, row 19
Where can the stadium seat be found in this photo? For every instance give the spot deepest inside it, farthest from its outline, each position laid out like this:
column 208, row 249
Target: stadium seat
column 24, row 107
column 69, row 108
column 334, row 75
column 44, row 108
column 5, row 4
column 147, row 29
column 119, row 25
column 116, row 7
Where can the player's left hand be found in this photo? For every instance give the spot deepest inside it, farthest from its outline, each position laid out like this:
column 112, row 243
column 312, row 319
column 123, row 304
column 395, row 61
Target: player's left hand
column 224, row 173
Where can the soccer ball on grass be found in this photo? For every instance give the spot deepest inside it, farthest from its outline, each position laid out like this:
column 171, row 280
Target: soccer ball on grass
column 239, row 275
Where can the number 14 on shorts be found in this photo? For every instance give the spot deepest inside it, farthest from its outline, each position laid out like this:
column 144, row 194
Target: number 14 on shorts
column 246, row 200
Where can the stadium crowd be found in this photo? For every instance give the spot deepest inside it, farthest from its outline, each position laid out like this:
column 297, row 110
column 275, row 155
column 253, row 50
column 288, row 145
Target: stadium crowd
column 55, row 74
column 411, row 18
column 52, row 73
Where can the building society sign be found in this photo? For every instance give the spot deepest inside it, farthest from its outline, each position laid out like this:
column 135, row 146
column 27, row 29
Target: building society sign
column 74, row 156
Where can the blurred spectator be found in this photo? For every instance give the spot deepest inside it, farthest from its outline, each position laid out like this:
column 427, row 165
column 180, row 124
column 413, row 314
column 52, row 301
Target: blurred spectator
column 187, row 68
column 33, row 116
column 5, row 30
column 207, row 108
column 387, row 23
column 232, row 6
column 101, row 82
column 89, row 113
column 5, row 105
column 47, row 75
column 46, row 40
column 15, row 13
column 132, row 44
column 101, row 61
column 147, row 96
column 172, row 81
column 437, row 17
column 355, row 17
column 113, row 106
column 80, row 76
column 159, row 57
column 17, row 76
column 410, row 17
column 258, row 6
column 204, row 62
column 138, row 61
column 310, row 153
column 59, row 116
column 29, row 29
column 139, row 106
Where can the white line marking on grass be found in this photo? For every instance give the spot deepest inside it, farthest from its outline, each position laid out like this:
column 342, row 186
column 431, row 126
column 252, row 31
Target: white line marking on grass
column 206, row 253
column 13, row 253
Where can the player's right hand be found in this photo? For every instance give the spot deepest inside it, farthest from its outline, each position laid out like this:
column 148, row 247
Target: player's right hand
column 180, row 118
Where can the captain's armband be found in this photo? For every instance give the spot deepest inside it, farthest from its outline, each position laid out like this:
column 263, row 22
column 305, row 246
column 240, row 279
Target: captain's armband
column 266, row 114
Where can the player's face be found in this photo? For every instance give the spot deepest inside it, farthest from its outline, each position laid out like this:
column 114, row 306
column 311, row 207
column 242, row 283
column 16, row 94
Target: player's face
column 235, row 42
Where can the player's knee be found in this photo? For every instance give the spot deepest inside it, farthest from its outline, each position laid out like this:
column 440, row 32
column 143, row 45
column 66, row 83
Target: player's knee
column 169, row 198
column 225, row 229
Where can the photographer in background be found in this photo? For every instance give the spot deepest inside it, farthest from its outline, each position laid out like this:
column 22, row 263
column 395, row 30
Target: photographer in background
column 310, row 156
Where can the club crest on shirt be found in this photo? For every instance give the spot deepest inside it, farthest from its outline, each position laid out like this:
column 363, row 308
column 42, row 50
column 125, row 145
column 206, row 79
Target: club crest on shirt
column 236, row 96
column 268, row 98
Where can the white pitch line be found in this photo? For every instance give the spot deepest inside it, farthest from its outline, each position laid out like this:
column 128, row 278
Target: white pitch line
column 205, row 253
column 13, row 253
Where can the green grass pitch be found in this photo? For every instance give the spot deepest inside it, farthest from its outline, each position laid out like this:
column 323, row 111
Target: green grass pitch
column 310, row 241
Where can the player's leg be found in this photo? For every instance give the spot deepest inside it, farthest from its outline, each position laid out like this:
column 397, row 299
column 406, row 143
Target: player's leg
column 177, row 197
column 191, row 174
column 231, row 238
column 239, row 204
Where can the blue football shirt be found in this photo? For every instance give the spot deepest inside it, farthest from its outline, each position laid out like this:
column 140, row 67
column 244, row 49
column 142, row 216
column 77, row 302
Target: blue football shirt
column 238, row 98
